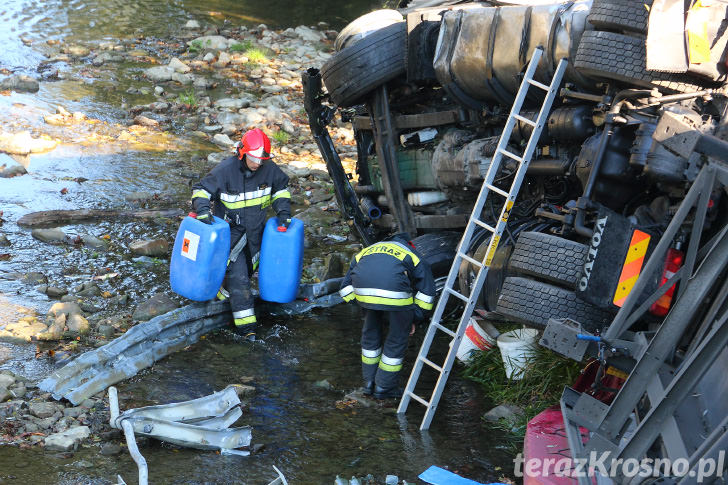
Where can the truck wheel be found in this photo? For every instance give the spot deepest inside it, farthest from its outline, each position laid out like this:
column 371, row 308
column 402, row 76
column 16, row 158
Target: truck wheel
column 621, row 15
column 360, row 68
column 534, row 303
column 547, row 257
column 365, row 25
column 623, row 58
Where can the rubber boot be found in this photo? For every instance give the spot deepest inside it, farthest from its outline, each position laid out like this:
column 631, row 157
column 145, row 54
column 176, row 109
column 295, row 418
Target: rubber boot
column 368, row 388
column 391, row 393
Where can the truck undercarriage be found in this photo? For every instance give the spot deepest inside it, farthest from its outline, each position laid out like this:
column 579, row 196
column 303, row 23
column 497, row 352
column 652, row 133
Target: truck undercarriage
column 620, row 211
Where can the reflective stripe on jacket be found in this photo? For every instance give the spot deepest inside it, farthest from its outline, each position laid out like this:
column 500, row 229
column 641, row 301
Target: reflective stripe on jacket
column 389, row 276
column 242, row 196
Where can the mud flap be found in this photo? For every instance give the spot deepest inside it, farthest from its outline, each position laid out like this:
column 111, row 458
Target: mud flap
column 617, row 253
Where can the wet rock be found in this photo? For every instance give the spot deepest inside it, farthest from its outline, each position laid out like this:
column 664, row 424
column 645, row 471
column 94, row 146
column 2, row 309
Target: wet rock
column 5, row 353
column 144, row 121
column 22, row 331
column 333, row 267
column 231, row 103
column 93, row 241
column 18, row 392
column 508, row 412
column 64, row 308
column 137, row 197
column 23, row 144
column 159, row 74
column 6, row 380
column 55, row 292
column 222, row 140
column 4, row 394
column 192, row 25
column 214, row 42
column 20, row 83
column 110, row 449
column 34, row 278
column 244, row 390
column 211, row 128
column 159, row 304
column 106, row 331
column 179, row 66
column 323, row 384
column 87, row 289
column 67, row 440
column 63, row 424
column 77, row 324
column 49, row 235
column 209, row 57
column 77, row 50
column 42, row 410
column 12, row 171
column 153, row 247
column 183, row 78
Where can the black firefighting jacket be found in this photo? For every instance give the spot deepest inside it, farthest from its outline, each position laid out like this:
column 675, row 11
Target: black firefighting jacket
column 390, row 276
column 242, row 196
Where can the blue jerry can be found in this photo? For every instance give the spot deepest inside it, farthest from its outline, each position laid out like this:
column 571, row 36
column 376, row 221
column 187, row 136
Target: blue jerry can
column 281, row 261
column 199, row 258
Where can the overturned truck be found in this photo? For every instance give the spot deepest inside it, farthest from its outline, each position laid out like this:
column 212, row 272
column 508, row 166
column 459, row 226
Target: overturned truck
column 624, row 173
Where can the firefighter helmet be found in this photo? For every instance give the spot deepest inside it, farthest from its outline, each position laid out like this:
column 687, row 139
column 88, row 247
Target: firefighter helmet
column 256, row 143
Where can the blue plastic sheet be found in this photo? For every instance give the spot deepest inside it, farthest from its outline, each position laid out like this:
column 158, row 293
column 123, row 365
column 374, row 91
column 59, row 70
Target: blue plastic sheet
column 438, row 476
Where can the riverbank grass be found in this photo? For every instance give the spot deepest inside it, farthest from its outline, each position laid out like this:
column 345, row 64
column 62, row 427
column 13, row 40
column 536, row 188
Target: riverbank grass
column 543, row 382
column 188, row 97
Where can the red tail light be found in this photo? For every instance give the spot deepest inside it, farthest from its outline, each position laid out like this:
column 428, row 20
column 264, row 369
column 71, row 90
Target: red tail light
column 673, row 261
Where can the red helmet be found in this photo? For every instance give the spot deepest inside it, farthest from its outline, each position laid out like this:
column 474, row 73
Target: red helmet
column 256, row 143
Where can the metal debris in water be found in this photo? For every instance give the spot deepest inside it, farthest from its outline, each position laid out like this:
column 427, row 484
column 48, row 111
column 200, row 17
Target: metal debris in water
column 201, row 423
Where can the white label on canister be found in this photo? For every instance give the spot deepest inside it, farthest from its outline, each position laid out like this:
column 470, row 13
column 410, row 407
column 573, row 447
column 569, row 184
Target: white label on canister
column 190, row 241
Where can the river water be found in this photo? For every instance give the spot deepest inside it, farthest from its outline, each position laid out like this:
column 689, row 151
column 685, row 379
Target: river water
column 307, row 428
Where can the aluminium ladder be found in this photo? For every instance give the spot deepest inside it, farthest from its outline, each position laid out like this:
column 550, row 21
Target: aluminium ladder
column 497, row 232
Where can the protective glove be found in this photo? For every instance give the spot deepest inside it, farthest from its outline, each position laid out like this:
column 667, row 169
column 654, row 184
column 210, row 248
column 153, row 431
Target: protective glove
column 283, row 224
column 419, row 314
column 205, row 216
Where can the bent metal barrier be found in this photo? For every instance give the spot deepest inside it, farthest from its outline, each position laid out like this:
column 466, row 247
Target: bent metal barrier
column 150, row 341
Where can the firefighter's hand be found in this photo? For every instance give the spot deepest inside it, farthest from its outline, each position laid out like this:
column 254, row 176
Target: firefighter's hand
column 283, row 224
column 205, row 216
column 412, row 332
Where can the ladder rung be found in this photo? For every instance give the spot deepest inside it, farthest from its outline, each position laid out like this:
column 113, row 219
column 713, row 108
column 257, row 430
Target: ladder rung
column 418, row 399
column 524, row 120
column 484, row 225
column 497, row 190
column 471, row 260
column 455, row 293
column 431, row 364
column 445, row 329
column 538, row 84
column 511, row 155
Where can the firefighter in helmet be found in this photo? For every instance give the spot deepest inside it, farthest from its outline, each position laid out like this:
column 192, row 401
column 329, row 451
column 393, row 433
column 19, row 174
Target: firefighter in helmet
column 393, row 283
column 242, row 187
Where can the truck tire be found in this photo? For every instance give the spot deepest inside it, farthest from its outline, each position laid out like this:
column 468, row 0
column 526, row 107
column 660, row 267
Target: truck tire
column 623, row 58
column 547, row 257
column 357, row 70
column 365, row 25
column 621, row 15
column 534, row 303
column 438, row 249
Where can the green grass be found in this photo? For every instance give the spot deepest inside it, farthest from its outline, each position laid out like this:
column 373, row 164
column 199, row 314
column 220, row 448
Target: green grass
column 543, row 382
column 188, row 97
column 255, row 55
column 195, row 46
column 281, row 136
column 241, row 47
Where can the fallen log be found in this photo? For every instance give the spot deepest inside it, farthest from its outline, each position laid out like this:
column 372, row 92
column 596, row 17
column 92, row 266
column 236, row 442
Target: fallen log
column 62, row 217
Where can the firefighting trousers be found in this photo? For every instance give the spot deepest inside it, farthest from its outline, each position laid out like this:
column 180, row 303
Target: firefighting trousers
column 237, row 287
column 382, row 363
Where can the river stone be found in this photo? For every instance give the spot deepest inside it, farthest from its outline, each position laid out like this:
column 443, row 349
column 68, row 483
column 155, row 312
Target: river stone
column 66, row 308
column 77, row 324
column 231, row 103
column 106, row 331
column 48, row 235
column 179, row 66
column 12, row 171
column 93, row 241
column 23, row 331
column 158, row 304
column 146, row 247
column 74, row 412
column 6, row 380
column 42, row 410
column 55, row 292
column 214, row 42
column 67, row 440
column 34, row 278
column 4, row 394
column 192, row 24
column 20, row 83
column 209, row 57
column 222, row 140
column 5, row 353
column 78, row 50
column 503, row 411
column 183, row 78
column 110, row 449
column 18, row 392
column 23, row 144
column 159, row 73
